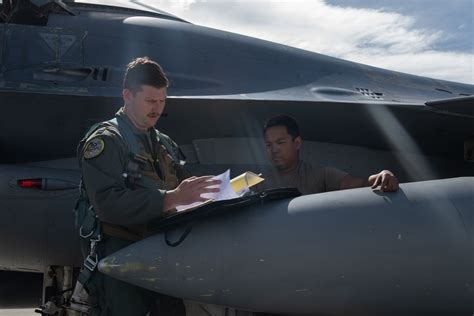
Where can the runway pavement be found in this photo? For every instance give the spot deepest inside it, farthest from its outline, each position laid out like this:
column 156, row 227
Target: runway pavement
column 20, row 293
column 18, row 312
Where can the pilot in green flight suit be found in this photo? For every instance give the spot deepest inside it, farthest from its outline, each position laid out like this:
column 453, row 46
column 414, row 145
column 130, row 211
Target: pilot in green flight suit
column 133, row 178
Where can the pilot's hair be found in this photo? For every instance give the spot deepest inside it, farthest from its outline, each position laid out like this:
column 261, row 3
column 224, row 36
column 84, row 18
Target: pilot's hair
column 283, row 120
column 144, row 71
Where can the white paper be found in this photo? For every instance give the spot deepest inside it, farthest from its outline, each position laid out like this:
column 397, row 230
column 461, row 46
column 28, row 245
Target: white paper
column 225, row 193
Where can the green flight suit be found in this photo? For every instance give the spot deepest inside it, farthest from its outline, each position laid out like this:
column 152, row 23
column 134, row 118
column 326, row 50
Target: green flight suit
column 130, row 208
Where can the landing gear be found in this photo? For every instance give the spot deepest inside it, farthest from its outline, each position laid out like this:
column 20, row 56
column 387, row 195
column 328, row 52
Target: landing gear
column 58, row 290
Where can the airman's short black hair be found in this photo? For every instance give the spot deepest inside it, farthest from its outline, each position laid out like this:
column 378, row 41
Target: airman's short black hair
column 144, row 71
column 283, row 120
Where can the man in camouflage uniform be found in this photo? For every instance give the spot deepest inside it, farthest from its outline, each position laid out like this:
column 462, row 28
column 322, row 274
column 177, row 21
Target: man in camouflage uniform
column 131, row 191
column 283, row 142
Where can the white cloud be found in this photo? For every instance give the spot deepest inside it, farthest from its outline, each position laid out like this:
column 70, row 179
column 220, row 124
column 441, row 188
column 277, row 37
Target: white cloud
column 376, row 37
column 443, row 65
column 170, row 5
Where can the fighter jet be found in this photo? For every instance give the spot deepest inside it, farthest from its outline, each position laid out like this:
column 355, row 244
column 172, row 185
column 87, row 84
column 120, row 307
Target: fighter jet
column 62, row 63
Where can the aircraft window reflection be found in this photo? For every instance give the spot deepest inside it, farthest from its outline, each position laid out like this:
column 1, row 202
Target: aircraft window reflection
column 27, row 12
column 23, row 12
column 133, row 4
column 3, row 11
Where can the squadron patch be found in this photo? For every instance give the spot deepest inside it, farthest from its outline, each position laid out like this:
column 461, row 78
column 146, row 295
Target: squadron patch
column 94, row 148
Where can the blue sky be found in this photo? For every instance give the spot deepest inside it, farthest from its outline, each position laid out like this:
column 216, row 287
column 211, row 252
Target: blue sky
column 433, row 38
column 454, row 18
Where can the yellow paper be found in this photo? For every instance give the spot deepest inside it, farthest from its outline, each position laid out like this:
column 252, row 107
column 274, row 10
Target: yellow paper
column 245, row 181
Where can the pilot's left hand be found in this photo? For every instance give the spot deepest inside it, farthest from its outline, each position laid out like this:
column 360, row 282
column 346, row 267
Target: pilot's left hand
column 385, row 179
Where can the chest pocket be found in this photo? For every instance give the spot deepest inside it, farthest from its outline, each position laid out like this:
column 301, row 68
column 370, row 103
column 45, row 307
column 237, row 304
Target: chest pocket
column 167, row 167
column 160, row 170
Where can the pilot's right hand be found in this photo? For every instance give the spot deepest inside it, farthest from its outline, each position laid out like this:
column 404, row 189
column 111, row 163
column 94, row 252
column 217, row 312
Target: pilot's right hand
column 189, row 191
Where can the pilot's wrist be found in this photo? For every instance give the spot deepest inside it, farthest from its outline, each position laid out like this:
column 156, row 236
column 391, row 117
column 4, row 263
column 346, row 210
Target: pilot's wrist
column 170, row 201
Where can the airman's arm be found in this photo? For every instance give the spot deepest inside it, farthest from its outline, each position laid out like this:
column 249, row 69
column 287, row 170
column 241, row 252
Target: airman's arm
column 385, row 179
column 114, row 202
column 118, row 204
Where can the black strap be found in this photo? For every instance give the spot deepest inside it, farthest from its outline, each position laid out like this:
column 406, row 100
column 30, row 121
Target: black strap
column 219, row 207
column 182, row 238
column 224, row 207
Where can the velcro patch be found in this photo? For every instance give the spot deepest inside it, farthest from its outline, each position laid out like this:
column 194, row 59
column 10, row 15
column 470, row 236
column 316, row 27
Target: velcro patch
column 94, row 148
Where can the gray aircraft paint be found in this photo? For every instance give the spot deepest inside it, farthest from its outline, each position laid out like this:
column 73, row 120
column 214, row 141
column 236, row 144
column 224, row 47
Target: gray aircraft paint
column 58, row 79
column 337, row 252
column 37, row 226
column 233, row 80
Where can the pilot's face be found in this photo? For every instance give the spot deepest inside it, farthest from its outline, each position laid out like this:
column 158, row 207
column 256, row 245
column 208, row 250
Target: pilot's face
column 282, row 149
column 145, row 106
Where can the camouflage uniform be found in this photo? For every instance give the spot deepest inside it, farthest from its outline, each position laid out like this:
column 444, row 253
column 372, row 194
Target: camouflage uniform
column 126, row 209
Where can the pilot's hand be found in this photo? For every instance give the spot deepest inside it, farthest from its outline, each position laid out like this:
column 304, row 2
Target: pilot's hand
column 189, row 191
column 385, row 179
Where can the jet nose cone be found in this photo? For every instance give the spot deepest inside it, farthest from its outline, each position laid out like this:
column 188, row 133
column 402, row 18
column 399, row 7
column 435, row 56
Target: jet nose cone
column 142, row 263
column 124, row 264
column 119, row 265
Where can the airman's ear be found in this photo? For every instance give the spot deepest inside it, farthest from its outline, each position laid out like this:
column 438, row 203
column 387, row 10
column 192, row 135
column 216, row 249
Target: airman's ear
column 126, row 95
column 298, row 142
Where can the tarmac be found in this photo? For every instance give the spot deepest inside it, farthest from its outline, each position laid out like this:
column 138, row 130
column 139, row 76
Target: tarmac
column 18, row 312
column 20, row 293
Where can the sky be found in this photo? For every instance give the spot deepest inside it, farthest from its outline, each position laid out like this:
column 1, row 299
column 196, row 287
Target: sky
column 433, row 38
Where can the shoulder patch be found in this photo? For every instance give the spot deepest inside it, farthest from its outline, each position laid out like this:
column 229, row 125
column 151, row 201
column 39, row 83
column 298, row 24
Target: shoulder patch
column 94, row 148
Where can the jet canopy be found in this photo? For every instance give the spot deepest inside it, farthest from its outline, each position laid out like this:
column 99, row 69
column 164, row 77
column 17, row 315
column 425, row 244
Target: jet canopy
column 36, row 12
